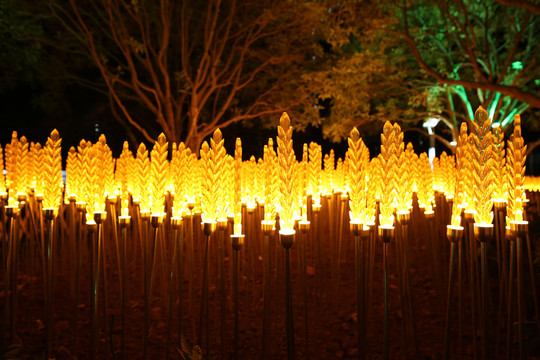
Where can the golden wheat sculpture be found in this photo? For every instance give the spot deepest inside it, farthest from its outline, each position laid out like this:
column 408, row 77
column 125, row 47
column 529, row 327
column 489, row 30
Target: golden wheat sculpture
column 460, row 174
column 286, row 160
column 388, row 161
column 483, row 167
column 357, row 177
column 515, row 169
column 52, row 175
column 159, row 171
column 140, row 188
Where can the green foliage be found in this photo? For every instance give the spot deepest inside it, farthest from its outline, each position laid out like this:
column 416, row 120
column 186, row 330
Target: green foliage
column 478, row 41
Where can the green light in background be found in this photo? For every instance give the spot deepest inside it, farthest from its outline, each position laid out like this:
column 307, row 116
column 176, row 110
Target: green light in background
column 517, row 65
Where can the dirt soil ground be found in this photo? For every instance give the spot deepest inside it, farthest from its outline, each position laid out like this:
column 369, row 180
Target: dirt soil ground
column 331, row 298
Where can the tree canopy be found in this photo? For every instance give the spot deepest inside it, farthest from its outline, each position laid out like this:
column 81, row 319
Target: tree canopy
column 469, row 53
column 411, row 61
column 187, row 67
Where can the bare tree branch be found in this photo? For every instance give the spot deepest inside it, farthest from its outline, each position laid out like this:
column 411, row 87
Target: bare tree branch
column 521, row 3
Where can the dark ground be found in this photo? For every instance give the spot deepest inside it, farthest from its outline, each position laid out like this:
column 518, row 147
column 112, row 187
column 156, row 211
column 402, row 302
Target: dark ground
column 332, row 314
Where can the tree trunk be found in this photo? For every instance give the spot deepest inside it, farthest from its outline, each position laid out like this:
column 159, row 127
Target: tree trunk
column 194, row 143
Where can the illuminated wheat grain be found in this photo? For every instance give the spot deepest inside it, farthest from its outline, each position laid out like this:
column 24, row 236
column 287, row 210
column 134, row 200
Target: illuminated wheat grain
column 251, row 183
column 272, row 181
column 93, row 196
column 14, row 163
column 346, row 164
column 218, row 158
column 448, row 172
column 31, row 162
column 402, row 181
column 106, row 163
column 7, row 164
column 228, row 186
column 182, row 176
column 314, row 170
column 357, row 176
column 174, row 181
column 465, row 164
column 425, row 182
column 140, row 188
column 483, row 167
column 373, row 185
column 260, row 174
column 52, row 171
column 441, row 173
column 8, row 159
column 25, row 172
column 468, row 178
column 193, row 184
column 328, row 172
column 159, row 170
column 76, row 169
column 286, row 164
column 84, row 189
column 305, row 171
column 437, row 174
column 208, row 203
column 388, row 163
column 273, row 176
column 72, row 169
column 237, row 177
column 375, row 176
column 298, row 191
column 339, row 176
column 124, row 166
column 461, row 162
column 412, row 163
column 515, row 160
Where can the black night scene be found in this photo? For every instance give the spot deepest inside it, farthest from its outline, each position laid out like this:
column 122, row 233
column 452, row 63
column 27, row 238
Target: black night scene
column 290, row 179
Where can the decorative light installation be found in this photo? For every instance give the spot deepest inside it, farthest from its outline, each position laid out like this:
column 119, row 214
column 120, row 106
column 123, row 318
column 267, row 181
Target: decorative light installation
column 425, row 183
column 482, row 141
column 286, row 160
column 52, row 176
column 515, row 169
column 357, row 177
column 390, row 140
column 159, row 172
column 171, row 190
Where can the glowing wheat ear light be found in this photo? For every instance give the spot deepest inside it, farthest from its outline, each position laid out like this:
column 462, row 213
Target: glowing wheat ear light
column 388, row 163
column 52, row 176
column 483, row 167
column 515, row 171
column 460, row 173
column 155, row 187
column 286, row 164
column 159, row 171
column 357, row 176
